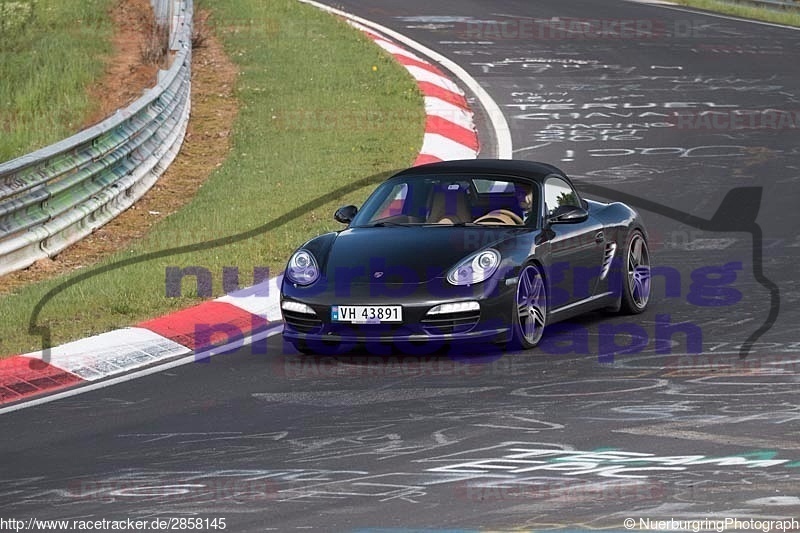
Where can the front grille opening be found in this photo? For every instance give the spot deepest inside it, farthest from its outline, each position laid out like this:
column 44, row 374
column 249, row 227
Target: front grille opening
column 302, row 322
column 448, row 323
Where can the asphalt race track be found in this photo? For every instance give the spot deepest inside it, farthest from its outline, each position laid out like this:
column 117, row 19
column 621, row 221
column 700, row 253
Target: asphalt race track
column 612, row 418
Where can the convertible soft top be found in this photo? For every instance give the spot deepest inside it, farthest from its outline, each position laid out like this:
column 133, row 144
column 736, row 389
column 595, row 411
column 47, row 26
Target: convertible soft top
column 513, row 167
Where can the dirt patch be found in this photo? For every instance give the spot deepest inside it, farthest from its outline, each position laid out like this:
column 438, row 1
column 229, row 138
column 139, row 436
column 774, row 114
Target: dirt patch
column 128, row 70
column 205, row 147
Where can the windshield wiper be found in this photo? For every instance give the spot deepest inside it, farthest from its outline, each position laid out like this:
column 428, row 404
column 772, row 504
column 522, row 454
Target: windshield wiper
column 448, row 225
column 387, row 225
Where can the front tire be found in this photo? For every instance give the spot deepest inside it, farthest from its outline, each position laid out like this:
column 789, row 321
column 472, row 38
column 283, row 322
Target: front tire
column 636, row 275
column 529, row 316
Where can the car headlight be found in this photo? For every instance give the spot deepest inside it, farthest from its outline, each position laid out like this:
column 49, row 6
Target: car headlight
column 476, row 268
column 302, row 268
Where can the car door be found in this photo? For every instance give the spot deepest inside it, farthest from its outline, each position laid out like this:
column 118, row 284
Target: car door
column 576, row 248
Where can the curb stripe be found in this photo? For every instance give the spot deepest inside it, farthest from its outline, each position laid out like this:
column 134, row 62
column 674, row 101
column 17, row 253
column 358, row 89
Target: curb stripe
column 140, row 372
column 491, row 111
column 110, row 353
column 456, row 114
column 202, row 326
column 436, row 144
column 449, row 125
column 422, row 75
column 411, row 62
column 261, row 299
column 22, row 377
column 429, row 89
column 452, row 131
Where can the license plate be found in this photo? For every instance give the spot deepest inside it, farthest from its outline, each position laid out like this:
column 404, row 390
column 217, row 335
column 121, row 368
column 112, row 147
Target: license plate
column 367, row 314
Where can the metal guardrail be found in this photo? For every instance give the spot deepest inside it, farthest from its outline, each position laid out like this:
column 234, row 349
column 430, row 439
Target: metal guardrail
column 55, row 196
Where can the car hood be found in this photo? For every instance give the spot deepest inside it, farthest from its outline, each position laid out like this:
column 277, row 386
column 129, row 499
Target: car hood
column 405, row 254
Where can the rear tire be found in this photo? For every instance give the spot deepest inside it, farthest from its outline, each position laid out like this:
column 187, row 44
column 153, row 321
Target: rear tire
column 635, row 275
column 529, row 316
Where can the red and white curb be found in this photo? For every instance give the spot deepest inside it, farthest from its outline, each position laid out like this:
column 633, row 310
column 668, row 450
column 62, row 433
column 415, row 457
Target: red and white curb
column 211, row 327
column 233, row 320
column 449, row 126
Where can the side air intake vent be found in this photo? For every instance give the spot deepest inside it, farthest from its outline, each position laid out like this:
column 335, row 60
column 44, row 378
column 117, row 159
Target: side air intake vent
column 608, row 256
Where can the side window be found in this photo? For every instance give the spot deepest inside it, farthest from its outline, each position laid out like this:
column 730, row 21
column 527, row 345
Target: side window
column 558, row 192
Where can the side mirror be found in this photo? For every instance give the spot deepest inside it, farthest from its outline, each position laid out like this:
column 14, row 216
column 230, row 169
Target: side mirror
column 568, row 214
column 345, row 214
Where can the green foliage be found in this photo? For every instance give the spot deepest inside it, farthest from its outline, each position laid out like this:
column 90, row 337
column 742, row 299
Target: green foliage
column 788, row 17
column 567, row 198
column 50, row 52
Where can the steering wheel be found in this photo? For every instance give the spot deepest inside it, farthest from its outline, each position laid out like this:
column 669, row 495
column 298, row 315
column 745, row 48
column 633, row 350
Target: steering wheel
column 502, row 216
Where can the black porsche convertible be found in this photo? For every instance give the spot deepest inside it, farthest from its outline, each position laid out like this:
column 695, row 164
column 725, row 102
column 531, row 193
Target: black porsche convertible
column 473, row 250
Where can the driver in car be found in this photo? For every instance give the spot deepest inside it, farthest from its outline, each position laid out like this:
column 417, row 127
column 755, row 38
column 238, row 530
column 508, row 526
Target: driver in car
column 524, row 194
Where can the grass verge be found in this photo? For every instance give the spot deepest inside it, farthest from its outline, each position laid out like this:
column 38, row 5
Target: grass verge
column 50, row 52
column 320, row 106
column 787, row 17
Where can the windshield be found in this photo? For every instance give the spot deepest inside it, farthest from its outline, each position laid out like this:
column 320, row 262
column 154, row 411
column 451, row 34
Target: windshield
column 450, row 200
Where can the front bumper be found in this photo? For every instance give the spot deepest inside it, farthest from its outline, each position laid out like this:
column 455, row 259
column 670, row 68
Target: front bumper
column 490, row 323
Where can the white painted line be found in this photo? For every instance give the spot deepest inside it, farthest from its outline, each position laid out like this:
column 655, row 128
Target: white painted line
column 363, row 28
column 141, row 373
column 445, row 148
column 789, row 362
column 112, row 353
column 450, row 112
column 396, row 50
column 493, row 111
